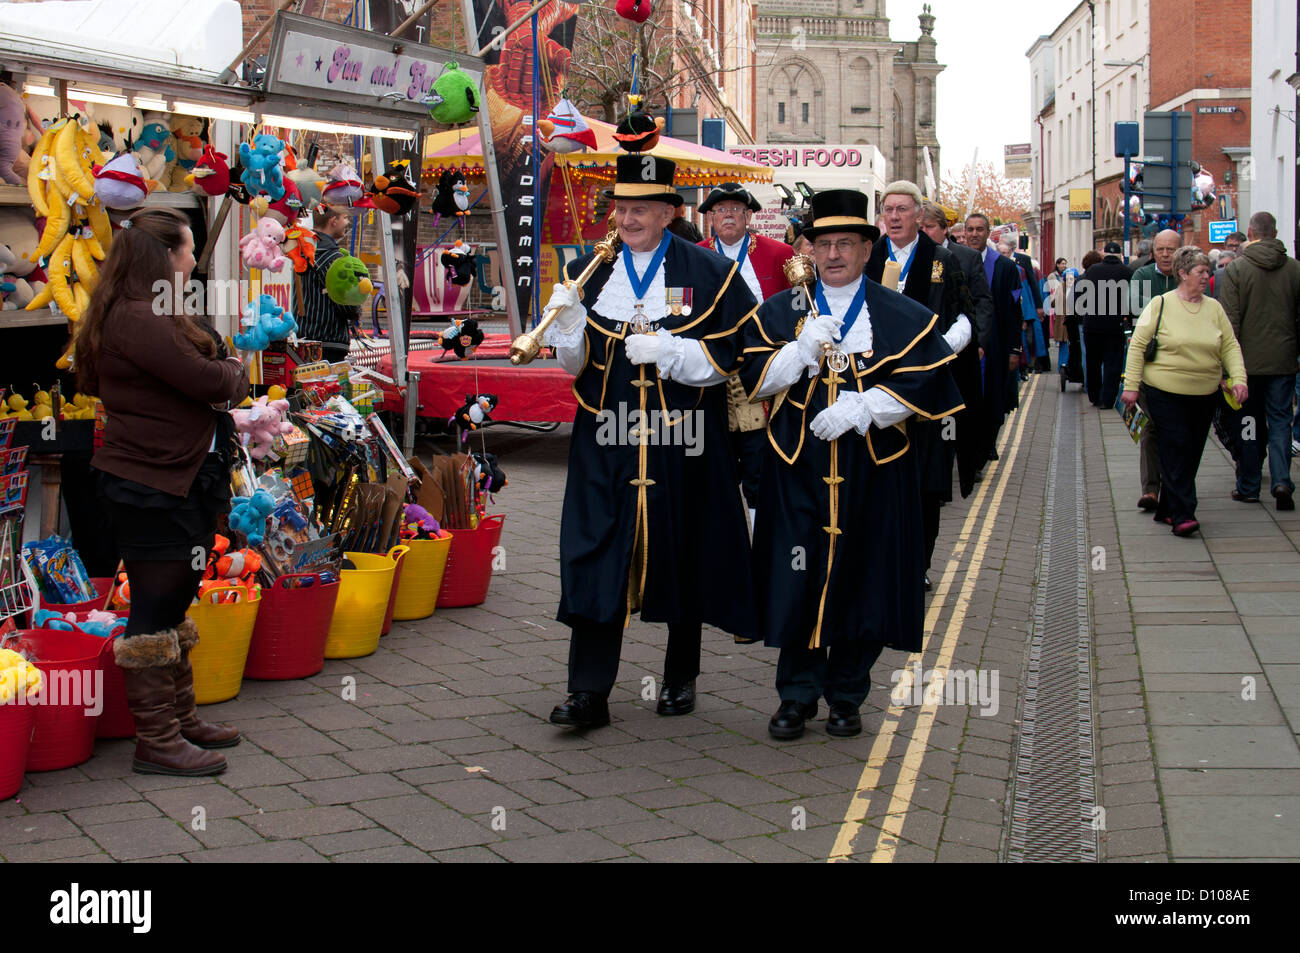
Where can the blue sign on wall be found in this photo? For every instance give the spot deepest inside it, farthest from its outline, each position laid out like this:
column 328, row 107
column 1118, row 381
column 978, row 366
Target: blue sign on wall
column 1219, row 231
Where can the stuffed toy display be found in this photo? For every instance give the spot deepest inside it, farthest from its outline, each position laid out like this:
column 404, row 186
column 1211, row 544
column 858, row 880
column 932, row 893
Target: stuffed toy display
column 446, row 199
column 459, row 261
column 260, row 248
column 454, row 98
column 15, row 290
column 342, row 187
column 153, row 147
column 188, row 141
column 638, row 11
column 473, row 414
column 105, row 625
column 309, row 183
column 564, row 129
column 394, row 192
column 300, row 247
column 119, row 182
column 289, row 208
column 417, row 523
column 264, row 321
column 348, row 281
column 118, row 126
column 18, row 233
column 249, row 514
column 463, row 337
column 488, row 474
column 13, row 119
column 227, row 568
column 263, row 167
column 261, row 424
column 639, row 132
column 211, row 173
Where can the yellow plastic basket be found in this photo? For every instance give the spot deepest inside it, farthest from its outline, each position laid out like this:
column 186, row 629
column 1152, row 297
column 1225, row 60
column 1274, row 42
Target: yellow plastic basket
column 417, row 590
column 225, row 631
column 364, row 593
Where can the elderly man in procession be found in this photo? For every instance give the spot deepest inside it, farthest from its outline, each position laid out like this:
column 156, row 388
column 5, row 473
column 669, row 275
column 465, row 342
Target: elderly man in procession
column 839, row 548
column 759, row 259
column 653, row 519
column 908, row 260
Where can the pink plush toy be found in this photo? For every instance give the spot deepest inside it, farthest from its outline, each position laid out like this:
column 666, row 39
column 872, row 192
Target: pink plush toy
column 261, row 246
column 261, row 424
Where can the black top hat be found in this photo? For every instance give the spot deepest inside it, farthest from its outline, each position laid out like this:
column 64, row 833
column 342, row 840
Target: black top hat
column 730, row 192
column 646, row 177
column 840, row 210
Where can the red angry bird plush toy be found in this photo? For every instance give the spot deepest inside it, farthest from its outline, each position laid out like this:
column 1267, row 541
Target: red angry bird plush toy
column 638, row 11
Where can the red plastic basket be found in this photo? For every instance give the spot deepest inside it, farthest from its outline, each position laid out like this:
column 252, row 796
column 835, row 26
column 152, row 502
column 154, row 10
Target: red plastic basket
column 71, row 662
column 292, row 626
column 469, row 564
column 102, row 587
column 399, row 555
column 16, row 722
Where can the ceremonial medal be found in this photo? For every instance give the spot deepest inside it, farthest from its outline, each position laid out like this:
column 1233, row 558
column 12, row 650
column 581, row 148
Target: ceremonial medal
column 676, row 299
column 639, row 324
column 837, row 360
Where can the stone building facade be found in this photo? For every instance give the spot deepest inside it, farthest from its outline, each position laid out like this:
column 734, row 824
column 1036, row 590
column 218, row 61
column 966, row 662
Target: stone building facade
column 829, row 72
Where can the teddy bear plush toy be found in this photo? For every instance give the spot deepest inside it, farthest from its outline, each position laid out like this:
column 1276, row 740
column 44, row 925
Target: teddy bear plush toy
column 249, row 515
column 187, row 140
column 262, row 423
column 264, row 321
column 18, row 233
column 153, row 147
column 260, row 248
column 263, row 167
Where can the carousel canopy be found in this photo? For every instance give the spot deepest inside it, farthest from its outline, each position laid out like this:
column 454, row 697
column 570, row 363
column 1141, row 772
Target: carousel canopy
column 696, row 165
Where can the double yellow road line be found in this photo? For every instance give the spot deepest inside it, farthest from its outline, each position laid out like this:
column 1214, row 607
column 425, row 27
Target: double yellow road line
column 886, row 840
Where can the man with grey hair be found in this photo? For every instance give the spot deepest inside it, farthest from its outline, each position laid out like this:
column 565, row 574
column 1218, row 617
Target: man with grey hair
column 1144, row 256
column 1261, row 295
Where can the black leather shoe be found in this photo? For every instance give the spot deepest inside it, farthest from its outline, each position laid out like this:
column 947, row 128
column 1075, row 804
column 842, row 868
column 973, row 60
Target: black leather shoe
column 677, row 699
column 928, row 587
column 582, row 710
column 844, row 720
column 788, row 722
column 1283, row 496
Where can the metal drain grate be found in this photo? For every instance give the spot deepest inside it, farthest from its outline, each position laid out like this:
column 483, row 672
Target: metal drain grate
column 1055, row 774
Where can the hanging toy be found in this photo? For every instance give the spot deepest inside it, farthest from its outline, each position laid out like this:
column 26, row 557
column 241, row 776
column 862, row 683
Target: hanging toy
column 348, row 281
column 1203, row 190
column 263, row 167
column 459, row 261
column 564, row 129
column 342, row 187
column 262, row 322
column 211, row 173
column 261, row 423
column 153, row 147
column 394, row 192
column 473, row 414
column 260, row 248
column 638, row 11
column 491, row 478
column 444, row 199
column 463, row 337
column 119, row 182
column 300, row 247
column 639, row 132
column 454, row 98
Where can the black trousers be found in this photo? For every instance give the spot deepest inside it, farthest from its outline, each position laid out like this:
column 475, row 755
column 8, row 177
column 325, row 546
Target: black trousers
column 840, row 673
column 594, row 652
column 1182, row 426
column 930, row 505
column 747, row 448
column 1105, row 360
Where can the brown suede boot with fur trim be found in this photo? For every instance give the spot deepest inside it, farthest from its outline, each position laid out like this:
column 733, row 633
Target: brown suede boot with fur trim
column 193, row 728
column 147, row 662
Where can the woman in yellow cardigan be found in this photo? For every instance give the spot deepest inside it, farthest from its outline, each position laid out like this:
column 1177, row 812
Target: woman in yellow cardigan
column 1180, row 385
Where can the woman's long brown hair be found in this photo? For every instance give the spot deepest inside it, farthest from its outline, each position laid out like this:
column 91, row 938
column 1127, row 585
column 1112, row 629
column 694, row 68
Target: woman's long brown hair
column 136, row 262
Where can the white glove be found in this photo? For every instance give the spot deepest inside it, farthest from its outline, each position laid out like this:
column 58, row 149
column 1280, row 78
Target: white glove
column 847, row 413
column 572, row 313
column 817, row 332
column 642, row 348
column 672, row 354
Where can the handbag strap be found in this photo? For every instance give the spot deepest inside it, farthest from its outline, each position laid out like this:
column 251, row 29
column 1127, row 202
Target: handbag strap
column 1160, row 314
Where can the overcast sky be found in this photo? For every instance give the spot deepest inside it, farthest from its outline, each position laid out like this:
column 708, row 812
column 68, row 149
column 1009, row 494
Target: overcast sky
column 983, row 43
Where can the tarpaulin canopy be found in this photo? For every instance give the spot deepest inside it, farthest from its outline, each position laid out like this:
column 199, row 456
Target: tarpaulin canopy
column 696, row 165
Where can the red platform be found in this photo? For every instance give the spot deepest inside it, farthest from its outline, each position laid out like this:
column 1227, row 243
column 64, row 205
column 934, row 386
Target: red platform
column 540, row 392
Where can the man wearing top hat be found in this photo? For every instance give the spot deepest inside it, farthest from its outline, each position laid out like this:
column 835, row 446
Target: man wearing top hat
column 838, row 545
column 653, row 519
column 730, row 208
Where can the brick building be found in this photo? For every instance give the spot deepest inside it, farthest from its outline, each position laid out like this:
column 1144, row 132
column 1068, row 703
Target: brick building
column 1203, row 67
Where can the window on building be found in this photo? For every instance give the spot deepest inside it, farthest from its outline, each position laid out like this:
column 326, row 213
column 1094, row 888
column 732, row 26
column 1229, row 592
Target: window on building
column 1069, row 52
column 1108, row 126
column 860, row 92
column 804, row 111
column 780, row 114
column 1137, row 95
column 1105, row 24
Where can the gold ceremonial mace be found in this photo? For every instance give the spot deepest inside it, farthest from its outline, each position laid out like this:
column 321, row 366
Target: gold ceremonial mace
column 802, row 271
column 526, row 347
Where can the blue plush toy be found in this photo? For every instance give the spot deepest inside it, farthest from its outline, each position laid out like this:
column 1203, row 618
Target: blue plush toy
column 249, row 515
column 264, row 321
column 103, row 628
column 263, row 167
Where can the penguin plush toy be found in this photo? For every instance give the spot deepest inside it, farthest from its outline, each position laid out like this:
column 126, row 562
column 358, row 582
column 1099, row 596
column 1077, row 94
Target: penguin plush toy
column 473, row 414
column 463, row 337
column 444, row 200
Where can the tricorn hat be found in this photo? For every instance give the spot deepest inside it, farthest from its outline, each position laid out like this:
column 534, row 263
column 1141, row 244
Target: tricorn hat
column 730, row 192
column 646, row 177
column 840, row 210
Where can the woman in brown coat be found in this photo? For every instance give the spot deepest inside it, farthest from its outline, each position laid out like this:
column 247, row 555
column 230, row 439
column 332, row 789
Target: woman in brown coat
column 163, row 473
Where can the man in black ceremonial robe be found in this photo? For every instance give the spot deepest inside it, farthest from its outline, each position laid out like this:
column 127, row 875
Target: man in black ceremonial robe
column 1003, row 361
column 932, row 276
column 838, row 546
column 653, row 517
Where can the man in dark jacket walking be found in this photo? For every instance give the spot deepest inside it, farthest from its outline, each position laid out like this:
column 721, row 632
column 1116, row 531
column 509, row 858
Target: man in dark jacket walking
column 1101, row 299
column 1261, row 295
